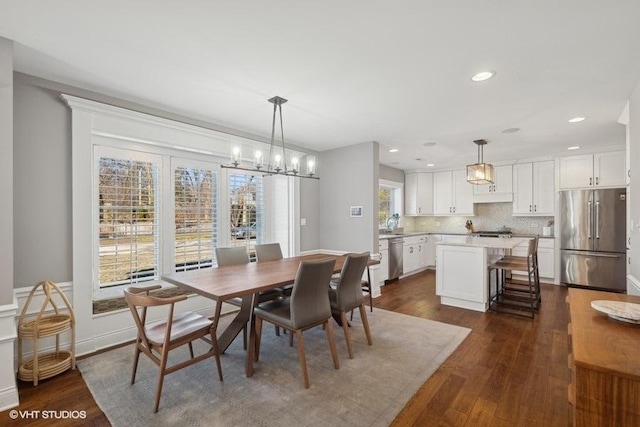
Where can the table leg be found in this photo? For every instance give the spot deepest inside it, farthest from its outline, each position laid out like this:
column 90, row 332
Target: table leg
column 251, row 351
column 236, row 325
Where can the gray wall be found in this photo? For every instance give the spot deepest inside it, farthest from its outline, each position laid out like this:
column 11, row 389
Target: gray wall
column 391, row 174
column 42, row 188
column 309, row 206
column 6, row 171
column 351, row 180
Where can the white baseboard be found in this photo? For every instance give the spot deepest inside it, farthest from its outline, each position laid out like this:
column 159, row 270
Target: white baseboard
column 8, row 388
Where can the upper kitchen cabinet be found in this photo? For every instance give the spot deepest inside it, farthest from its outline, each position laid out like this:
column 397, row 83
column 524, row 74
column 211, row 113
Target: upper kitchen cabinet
column 534, row 189
column 418, row 193
column 452, row 194
column 500, row 191
column 593, row 170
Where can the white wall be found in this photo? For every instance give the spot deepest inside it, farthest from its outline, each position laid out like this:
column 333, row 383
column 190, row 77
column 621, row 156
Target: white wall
column 349, row 177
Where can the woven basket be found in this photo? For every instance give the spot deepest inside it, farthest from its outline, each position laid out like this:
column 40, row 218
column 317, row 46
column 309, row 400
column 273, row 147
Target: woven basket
column 49, row 365
column 48, row 325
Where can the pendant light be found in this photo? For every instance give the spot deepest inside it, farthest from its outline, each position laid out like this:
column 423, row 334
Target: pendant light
column 277, row 163
column 480, row 173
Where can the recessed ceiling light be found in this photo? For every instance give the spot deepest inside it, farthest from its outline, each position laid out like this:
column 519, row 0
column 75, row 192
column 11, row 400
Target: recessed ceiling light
column 429, row 144
column 576, row 119
column 482, row 76
column 430, row 165
column 393, row 150
column 419, row 159
column 511, row 130
column 575, row 147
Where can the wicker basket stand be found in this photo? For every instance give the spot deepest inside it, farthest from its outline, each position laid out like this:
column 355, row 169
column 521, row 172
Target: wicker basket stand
column 51, row 321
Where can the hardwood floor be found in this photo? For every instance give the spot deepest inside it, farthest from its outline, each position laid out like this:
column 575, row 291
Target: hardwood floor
column 510, row 371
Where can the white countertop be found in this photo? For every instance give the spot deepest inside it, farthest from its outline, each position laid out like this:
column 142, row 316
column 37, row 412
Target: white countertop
column 485, row 242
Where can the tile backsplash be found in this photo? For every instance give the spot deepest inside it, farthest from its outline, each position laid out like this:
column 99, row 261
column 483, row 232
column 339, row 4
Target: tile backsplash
column 489, row 217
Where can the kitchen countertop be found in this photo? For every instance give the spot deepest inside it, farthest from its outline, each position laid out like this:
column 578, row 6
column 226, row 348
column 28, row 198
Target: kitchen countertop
column 486, row 242
column 421, row 233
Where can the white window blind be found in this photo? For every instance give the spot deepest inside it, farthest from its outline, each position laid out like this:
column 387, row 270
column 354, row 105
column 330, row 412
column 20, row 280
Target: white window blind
column 246, row 209
column 196, row 221
column 127, row 191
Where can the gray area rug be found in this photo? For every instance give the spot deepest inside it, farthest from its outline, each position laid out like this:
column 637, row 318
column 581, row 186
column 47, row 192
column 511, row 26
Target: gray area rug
column 368, row 390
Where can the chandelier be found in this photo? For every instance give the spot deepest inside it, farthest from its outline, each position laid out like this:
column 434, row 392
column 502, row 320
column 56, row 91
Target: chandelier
column 278, row 163
column 480, row 173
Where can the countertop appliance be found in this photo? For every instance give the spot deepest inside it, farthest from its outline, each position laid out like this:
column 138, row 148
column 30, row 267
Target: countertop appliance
column 499, row 233
column 592, row 238
column 395, row 257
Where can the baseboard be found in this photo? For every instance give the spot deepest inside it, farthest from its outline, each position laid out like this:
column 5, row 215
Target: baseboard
column 8, row 388
column 633, row 285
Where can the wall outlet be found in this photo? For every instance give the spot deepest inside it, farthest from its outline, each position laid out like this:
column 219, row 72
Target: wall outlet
column 303, row 221
column 534, row 225
column 437, row 224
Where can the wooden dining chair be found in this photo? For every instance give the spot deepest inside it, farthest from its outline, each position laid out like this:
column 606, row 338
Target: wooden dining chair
column 345, row 295
column 157, row 339
column 308, row 307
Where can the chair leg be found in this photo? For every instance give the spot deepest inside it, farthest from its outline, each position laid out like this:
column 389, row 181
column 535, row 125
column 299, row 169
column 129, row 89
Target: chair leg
column 332, row 344
column 303, row 360
column 216, row 348
column 136, row 357
column 365, row 324
column 191, row 349
column 244, row 337
column 291, row 339
column 345, row 328
column 163, row 366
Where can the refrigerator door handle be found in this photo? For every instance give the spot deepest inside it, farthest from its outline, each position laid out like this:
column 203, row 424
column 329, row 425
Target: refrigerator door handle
column 589, row 222
column 597, row 224
column 595, row 254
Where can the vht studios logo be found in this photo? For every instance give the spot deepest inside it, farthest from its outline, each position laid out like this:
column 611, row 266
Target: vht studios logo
column 47, row 415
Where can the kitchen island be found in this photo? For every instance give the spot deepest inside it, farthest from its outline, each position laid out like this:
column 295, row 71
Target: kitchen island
column 462, row 277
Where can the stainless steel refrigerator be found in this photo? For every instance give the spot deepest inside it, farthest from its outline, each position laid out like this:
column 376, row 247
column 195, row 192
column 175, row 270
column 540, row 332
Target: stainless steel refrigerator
column 592, row 238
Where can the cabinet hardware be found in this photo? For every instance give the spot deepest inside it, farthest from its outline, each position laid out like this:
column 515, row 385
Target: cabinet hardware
column 535, row 208
column 530, row 208
column 590, row 181
column 597, row 179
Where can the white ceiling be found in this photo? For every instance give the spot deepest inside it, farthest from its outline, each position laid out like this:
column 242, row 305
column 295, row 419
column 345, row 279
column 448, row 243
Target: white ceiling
column 396, row 72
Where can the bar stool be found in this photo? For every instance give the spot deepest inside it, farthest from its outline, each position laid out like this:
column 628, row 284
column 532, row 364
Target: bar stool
column 518, row 296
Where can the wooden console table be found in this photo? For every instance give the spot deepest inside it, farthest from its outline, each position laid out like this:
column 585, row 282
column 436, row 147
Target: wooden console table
column 604, row 363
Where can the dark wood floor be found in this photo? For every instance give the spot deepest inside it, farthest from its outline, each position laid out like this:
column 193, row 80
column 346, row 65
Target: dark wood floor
column 510, row 371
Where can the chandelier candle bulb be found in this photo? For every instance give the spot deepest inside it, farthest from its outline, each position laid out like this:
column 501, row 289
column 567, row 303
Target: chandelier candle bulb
column 294, row 165
column 277, row 162
column 311, row 165
column 258, row 159
column 236, row 156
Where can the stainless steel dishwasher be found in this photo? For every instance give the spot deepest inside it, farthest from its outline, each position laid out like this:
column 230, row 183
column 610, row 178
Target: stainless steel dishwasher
column 395, row 258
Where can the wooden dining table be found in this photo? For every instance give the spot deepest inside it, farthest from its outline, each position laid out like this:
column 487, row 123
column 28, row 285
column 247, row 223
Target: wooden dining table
column 245, row 281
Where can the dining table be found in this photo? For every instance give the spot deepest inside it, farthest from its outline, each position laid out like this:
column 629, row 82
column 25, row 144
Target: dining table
column 245, row 281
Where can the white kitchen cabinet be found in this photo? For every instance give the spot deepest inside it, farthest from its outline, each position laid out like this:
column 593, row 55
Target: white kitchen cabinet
column 534, row 190
column 500, row 191
column 414, row 254
column 593, row 170
column 418, row 193
column 383, row 268
column 430, row 251
column 452, row 194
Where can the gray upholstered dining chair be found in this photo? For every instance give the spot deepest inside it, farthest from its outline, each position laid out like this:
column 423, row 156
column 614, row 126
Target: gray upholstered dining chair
column 272, row 252
column 308, row 307
column 268, row 252
column 238, row 256
column 345, row 294
column 157, row 339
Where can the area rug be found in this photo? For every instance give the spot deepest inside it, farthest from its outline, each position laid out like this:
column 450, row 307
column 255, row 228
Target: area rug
column 368, row 390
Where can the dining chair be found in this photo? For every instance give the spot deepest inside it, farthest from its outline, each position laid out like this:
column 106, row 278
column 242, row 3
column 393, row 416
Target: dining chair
column 271, row 252
column 157, row 339
column 238, row 256
column 308, row 307
column 268, row 252
column 345, row 294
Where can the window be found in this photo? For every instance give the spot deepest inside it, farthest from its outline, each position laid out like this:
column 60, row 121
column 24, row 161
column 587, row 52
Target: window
column 128, row 225
column 390, row 201
column 195, row 217
column 246, row 209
